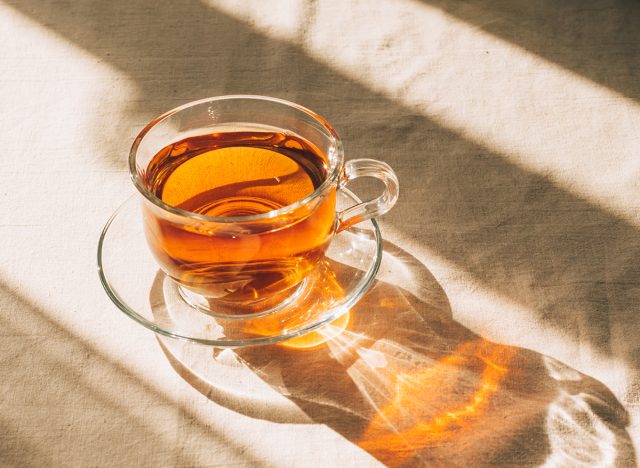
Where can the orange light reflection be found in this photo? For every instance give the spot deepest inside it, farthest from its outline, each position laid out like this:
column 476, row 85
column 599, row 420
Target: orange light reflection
column 321, row 336
column 436, row 403
column 322, row 296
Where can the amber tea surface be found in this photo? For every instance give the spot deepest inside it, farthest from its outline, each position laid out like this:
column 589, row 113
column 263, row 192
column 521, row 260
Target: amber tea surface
column 239, row 174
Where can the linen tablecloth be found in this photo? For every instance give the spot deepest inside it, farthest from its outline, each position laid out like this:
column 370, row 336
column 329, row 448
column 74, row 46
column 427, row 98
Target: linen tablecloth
column 503, row 328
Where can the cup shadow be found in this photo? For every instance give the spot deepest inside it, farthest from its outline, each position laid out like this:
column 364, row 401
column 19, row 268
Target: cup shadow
column 409, row 385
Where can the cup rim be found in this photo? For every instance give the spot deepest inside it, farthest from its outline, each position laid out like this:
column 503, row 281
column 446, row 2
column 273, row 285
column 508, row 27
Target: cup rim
column 330, row 179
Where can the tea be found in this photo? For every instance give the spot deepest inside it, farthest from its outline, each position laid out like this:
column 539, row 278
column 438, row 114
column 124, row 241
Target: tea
column 239, row 174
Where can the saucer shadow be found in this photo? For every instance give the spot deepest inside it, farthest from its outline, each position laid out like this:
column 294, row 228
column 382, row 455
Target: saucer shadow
column 411, row 386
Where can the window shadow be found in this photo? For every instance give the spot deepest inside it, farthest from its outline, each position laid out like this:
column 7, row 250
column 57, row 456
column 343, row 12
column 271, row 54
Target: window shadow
column 597, row 39
column 57, row 390
column 14, row 441
column 411, row 386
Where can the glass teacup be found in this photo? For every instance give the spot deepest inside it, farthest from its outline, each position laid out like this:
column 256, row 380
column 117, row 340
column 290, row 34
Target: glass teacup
column 239, row 199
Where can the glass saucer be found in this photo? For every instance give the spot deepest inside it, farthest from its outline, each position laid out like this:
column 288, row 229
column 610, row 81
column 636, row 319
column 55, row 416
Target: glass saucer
column 137, row 286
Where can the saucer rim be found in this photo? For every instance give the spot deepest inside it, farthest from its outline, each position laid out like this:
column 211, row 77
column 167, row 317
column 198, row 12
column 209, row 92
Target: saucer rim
column 341, row 309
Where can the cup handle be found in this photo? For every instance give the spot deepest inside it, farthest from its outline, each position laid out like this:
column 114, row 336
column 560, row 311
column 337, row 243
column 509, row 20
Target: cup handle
column 371, row 208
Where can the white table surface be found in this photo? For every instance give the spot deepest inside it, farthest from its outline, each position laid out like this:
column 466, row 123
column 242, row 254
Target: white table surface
column 514, row 130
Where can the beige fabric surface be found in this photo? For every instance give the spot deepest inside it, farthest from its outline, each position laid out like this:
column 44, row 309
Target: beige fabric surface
column 504, row 326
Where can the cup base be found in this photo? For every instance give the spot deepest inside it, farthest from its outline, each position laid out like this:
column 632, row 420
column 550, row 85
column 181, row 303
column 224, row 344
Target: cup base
column 228, row 309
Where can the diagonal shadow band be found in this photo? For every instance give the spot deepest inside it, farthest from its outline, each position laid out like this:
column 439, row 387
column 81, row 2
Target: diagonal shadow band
column 570, row 262
column 409, row 385
column 597, row 39
column 14, row 442
column 59, row 381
